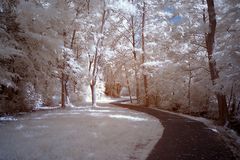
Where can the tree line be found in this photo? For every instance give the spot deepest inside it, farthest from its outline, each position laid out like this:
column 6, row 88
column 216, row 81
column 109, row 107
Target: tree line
column 182, row 56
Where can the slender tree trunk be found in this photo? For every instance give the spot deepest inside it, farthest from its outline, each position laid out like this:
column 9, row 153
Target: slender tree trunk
column 63, row 91
column 233, row 105
column 135, row 58
column 77, row 56
column 94, row 79
column 129, row 91
column 73, row 38
column 157, row 99
column 238, row 106
column 93, row 91
column 74, row 86
column 189, row 85
column 210, row 38
column 88, row 6
column 66, row 78
column 95, row 62
column 129, row 88
column 145, row 82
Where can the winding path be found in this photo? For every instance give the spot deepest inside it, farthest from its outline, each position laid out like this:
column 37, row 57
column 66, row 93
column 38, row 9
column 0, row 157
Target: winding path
column 184, row 139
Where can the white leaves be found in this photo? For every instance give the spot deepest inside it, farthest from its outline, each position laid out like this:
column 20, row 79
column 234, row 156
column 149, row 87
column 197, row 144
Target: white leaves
column 8, row 52
column 123, row 47
column 200, row 7
column 238, row 5
column 125, row 23
column 151, row 44
column 6, row 79
column 124, row 6
column 115, row 19
column 185, row 48
column 157, row 64
column 165, row 14
column 108, row 53
column 98, row 36
column 75, row 66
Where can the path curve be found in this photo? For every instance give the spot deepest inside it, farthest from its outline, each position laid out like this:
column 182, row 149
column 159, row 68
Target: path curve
column 184, row 139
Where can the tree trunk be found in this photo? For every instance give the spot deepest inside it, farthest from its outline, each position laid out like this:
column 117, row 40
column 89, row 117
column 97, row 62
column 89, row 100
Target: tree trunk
column 93, row 91
column 238, row 107
column 75, row 86
column 233, row 105
column 232, row 102
column 73, row 38
column 137, row 87
column 88, row 6
column 66, row 78
column 129, row 91
column 77, row 52
column 63, row 83
column 145, row 82
column 210, row 38
column 63, row 91
column 189, row 85
column 135, row 58
column 157, row 99
column 129, row 88
column 96, row 58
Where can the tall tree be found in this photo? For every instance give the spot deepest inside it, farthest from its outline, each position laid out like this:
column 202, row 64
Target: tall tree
column 133, row 34
column 93, row 66
column 145, row 82
column 210, row 39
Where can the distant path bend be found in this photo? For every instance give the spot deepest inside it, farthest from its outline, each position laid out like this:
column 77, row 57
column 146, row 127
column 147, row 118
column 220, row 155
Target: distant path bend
column 184, row 139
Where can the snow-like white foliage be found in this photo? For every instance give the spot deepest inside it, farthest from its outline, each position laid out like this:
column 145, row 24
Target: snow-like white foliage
column 124, row 6
column 7, row 52
column 200, row 7
column 6, row 79
column 108, row 53
column 75, row 66
column 152, row 44
column 156, row 64
column 165, row 14
column 32, row 99
column 57, row 39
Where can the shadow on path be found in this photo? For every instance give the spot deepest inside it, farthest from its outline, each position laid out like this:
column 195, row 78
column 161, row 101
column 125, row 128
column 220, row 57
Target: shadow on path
column 184, row 139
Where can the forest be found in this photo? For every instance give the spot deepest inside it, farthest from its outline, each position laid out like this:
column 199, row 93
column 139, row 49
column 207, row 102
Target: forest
column 182, row 56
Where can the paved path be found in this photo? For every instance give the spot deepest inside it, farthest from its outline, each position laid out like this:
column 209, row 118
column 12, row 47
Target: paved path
column 102, row 133
column 185, row 139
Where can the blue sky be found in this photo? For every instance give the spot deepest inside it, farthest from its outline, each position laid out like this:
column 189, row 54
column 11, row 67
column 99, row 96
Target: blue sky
column 176, row 19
